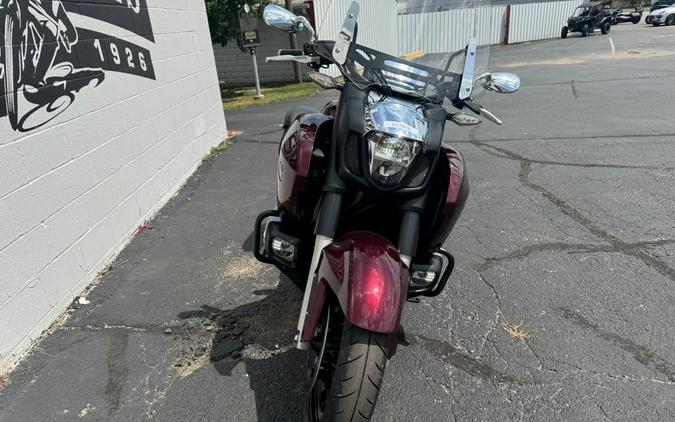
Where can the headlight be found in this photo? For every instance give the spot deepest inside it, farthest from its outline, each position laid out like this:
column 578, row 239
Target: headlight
column 390, row 156
column 396, row 131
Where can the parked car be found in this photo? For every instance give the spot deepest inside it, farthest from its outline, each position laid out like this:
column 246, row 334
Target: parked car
column 663, row 16
column 619, row 16
column 660, row 5
column 657, row 7
column 589, row 17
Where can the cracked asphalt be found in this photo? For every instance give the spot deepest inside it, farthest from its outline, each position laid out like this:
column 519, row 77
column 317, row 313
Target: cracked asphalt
column 568, row 236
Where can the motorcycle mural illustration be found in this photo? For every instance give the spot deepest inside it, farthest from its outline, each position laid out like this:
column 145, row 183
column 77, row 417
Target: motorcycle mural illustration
column 46, row 62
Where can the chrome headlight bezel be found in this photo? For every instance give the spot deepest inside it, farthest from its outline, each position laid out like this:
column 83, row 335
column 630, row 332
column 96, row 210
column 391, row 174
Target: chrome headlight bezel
column 396, row 133
column 390, row 157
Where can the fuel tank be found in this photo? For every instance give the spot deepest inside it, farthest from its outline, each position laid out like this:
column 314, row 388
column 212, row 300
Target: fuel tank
column 455, row 198
column 296, row 157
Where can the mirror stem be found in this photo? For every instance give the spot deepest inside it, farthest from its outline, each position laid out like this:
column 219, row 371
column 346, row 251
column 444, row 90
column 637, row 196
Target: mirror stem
column 312, row 32
column 484, row 76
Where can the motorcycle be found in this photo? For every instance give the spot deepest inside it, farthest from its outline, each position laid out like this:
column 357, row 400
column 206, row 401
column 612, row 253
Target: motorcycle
column 367, row 193
column 620, row 16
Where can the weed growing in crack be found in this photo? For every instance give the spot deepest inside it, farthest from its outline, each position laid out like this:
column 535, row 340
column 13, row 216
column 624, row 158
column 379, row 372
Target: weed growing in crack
column 218, row 148
column 515, row 330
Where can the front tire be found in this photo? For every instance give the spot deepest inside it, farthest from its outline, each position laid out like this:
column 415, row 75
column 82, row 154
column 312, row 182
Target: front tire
column 12, row 59
column 358, row 377
column 347, row 366
column 606, row 27
column 563, row 33
column 584, row 30
column 670, row 20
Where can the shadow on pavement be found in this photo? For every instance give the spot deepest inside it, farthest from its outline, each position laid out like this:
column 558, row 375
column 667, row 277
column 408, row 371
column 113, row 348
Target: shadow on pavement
column 259, row 335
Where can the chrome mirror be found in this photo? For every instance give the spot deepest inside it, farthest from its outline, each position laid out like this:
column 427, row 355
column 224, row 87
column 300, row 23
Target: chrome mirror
column 324, row 81
column 501, row 82
column 282, row 19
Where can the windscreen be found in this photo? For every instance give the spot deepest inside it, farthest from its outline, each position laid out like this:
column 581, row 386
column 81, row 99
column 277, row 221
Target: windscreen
column 581, row 11
column 416, row 47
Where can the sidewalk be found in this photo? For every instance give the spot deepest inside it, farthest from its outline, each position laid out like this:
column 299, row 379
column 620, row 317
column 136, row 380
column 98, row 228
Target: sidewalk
column 142, row 348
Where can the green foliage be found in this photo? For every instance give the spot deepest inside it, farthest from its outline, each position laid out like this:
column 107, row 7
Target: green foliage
column 224, row 18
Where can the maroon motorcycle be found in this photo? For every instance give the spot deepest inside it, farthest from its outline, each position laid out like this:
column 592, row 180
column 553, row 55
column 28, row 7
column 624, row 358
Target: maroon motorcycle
column 366, row 195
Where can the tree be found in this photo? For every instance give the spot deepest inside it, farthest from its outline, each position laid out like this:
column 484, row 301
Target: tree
column 224, row 18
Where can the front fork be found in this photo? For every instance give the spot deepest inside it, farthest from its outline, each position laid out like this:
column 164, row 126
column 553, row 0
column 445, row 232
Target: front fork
column 320, row 242
column 326, row 227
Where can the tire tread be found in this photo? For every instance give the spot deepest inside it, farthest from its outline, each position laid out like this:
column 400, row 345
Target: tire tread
column 357, row 381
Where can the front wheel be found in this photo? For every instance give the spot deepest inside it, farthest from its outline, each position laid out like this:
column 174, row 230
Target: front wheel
column 346, row 372
column 563, row 33
column 584, row 30
column 42, row 114
column 606, row 27
column 12, row 62
column 670, row 20
column 358, row 377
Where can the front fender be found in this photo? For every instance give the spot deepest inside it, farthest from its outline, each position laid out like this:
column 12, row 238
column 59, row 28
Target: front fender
column 365, row 273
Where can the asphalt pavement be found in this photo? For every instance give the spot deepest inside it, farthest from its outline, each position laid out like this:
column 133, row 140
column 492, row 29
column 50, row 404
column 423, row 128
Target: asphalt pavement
column 561, row 307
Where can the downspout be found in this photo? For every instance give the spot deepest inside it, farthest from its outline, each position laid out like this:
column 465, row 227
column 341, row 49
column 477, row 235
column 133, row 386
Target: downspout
column 508, row 25
column 312, row 16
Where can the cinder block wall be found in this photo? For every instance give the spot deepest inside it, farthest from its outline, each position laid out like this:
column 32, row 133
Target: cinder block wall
column 95, row 146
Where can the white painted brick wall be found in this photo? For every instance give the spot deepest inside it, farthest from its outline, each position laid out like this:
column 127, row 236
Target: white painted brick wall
column 74, row 190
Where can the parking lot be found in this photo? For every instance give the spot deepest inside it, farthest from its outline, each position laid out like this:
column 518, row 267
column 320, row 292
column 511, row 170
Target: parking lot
column 561, row 306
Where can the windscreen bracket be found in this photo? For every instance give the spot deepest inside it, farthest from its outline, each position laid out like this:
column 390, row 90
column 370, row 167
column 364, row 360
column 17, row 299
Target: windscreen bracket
column 346, row 35
column 466, row 86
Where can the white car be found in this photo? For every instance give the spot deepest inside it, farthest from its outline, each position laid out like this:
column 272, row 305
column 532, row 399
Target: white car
column 662, row 16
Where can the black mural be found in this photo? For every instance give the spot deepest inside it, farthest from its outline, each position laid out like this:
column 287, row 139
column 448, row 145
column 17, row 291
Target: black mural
column 46, row 62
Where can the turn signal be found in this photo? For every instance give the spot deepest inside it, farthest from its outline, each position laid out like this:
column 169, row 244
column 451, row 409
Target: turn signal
column 283, row 249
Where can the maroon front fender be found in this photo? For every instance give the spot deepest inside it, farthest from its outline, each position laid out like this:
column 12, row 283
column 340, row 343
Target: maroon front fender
column 366, row 275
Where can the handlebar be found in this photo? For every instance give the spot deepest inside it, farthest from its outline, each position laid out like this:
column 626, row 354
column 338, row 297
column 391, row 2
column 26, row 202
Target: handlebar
column 306, row 55
column 290, row 58
column 290, row 52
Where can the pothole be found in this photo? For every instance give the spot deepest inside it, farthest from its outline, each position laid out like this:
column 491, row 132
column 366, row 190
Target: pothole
column 254, row 331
